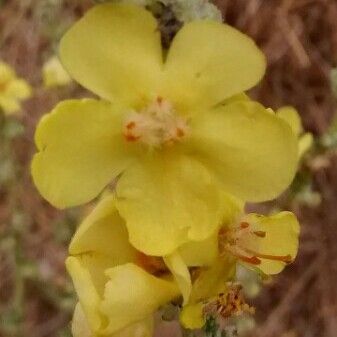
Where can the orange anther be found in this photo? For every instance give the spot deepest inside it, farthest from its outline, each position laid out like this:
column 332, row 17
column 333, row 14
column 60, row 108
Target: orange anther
column 282, row 258
column 130, row 125
column 180, row 132
column 131, row 138
column 260, row 234
column 252, row 260
column 244, row 225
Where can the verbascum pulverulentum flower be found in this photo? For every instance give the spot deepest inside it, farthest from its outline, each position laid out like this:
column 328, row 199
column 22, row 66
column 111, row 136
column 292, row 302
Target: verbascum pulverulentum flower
column 119, row 288
column 263, row 243
column 54, row 75
column 161, row 127
column 13, row 90
column 292, row 117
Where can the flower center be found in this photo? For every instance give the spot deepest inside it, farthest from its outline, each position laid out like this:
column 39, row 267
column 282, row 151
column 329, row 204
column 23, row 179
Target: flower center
column 156, row 125
column 232, row 241
column 228, row 304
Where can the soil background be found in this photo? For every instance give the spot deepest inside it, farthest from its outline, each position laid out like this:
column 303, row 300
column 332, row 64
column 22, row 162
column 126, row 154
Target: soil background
column 299, row 38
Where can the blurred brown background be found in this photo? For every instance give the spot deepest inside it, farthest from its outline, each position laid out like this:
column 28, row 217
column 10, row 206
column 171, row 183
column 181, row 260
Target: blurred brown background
column 299, row 38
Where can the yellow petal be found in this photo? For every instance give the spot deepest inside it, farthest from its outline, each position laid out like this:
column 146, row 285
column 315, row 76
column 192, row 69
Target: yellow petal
column 209, row 284
column 102, row 242
column 167, row 200
column 143, row 328
column 204, row 253
column 19, row 89
column 236, row 98
column 281, row 239
column 209, row 62
column 92, row 242
column 200, row 253
column 291, row 116
column 115, row 51
column 87, row 293
column 9, row 104
column 81, row 150
column 7, row 73
column 212, row 281
column 192, row 317
column 104, row 232
column 252, row 152
column 132, row 294
column 54, row 74
column 305, row 143
column 179, row 270
column 79, row 325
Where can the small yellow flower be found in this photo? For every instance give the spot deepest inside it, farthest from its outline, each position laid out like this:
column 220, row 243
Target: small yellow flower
column 54, row 74
column 12, row 89
column 292, row 117
column 117, row 286
column 265, row 243
column 161, row 127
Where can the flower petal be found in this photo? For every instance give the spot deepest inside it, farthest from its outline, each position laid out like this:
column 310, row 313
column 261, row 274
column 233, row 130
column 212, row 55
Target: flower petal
column 79, row 325
column 209, row 62
column 281, row 239
column 212, row 281
column 291, row 116
column 9, row 104
column 251, row 151
column 204, row 253
column 192, row 316
column 179, row 270
column 143, row 328
column 87, row 292
column 200, row 253
column 167, row 200
column 54, row 74
column 19, row 89
column 99, row 230
column 305, row 143
column 7, row 73
column 132, row 294
column 81, row 150
column 115, row 51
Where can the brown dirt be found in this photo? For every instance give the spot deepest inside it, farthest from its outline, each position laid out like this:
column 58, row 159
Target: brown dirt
column 299, row 38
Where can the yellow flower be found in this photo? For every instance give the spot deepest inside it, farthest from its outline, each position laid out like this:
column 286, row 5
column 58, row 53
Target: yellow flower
column 12, row 89
column 265, row 243
column 160, row 128
column 292, row 117
column 81, row 328
column 54, row 74
column 117, row 286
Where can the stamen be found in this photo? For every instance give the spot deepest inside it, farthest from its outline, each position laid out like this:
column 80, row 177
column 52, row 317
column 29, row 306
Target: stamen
column 260, row 234
column 244, row 225
column 156, row 125
column 285, row 258
column 131, row 138
column 230, row 241
column 130, row 125
column 248, row 259
column 229, row 304
column 180, row 132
